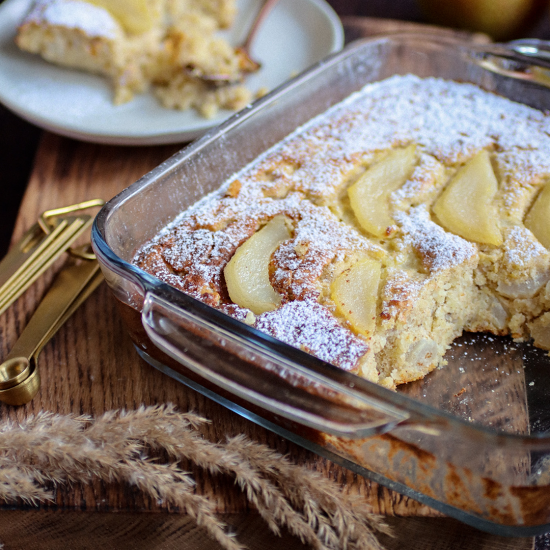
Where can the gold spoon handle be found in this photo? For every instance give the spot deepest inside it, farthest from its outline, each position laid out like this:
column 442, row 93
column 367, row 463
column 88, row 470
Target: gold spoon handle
column 39, row 237
column 31, row 244
column 93, row 283
column 65, row 289
column 19, row 374
column 23, row 279
column 39, row 247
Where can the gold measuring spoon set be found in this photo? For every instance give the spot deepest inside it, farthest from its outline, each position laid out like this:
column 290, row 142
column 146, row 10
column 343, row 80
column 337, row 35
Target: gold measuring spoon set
column 53, row 234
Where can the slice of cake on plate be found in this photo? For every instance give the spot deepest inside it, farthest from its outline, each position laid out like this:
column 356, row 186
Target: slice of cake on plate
column 140, row 45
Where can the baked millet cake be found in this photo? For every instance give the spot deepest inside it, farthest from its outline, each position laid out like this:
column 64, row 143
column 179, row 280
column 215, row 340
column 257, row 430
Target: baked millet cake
column 377, row 233
column 157, row 45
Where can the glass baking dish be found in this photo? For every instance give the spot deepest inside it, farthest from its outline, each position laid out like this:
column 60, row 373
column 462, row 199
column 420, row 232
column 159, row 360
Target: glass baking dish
column 472, row 439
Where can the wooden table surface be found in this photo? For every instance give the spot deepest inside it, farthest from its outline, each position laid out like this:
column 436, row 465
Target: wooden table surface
column 91, row 367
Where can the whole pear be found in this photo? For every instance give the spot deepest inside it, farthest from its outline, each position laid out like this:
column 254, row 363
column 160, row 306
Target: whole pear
column 501, row 19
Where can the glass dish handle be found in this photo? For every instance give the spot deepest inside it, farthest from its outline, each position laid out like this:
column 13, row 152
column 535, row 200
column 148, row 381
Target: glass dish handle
column 264, row 378
column 524, row 59
column 532, row 48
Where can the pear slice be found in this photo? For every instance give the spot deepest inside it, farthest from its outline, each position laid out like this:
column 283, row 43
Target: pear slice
column 247, row 273
column 466, row 205
column 135, row 16
column 369, row 195
column 538, row 217
column 355, row 293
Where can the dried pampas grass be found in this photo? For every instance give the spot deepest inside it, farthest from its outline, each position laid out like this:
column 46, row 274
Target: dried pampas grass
column 123, row 447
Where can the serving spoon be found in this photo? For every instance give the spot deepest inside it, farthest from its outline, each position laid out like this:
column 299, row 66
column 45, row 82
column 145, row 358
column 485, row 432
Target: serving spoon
column 247, row 64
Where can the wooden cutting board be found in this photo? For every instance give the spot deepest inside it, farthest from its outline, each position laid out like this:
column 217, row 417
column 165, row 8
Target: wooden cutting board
column 91, row 367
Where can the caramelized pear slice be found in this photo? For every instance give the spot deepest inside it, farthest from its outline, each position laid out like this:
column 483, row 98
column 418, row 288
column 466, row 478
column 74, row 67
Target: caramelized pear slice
column 538, row 218
column 466, row 205
column 355, row 293
column 247, row 273
column 135, row 16
column 369, row 195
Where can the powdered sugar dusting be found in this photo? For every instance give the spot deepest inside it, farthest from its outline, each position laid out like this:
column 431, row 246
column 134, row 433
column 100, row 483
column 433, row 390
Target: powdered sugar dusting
column 92, row 20
column 439, row 250
column 420, row 183
column 311, row 327
column 319, row 239
column 521, row 248
column 408, row 109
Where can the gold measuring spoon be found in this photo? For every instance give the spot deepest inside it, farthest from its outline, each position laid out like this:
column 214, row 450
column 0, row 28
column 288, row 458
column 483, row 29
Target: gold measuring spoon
column 19, row 376
column 23, row 279
column 39, row 247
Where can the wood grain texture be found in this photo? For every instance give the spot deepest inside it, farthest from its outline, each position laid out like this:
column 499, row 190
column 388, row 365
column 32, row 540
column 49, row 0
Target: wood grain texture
column 53, row 530
column 91, row 366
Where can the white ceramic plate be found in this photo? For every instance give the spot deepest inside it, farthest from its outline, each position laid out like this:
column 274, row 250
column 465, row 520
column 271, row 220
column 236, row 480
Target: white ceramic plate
column 295, row 35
